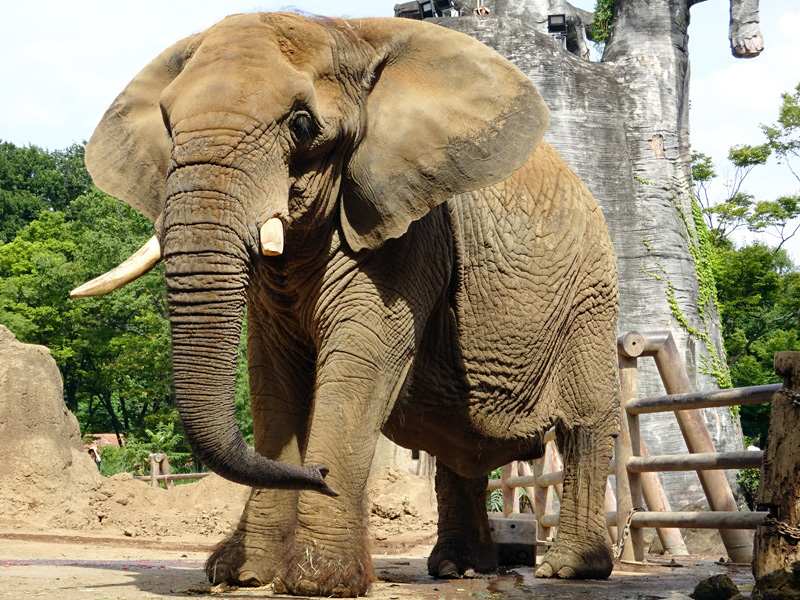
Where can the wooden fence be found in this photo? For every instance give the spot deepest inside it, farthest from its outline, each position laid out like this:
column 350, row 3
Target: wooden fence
column 159, row 471
column 637, row 484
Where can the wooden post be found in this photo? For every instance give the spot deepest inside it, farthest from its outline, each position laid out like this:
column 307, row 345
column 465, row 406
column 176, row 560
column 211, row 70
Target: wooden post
column 165, row 471
column 656, row 500
column 155, row 469
column 159, row 465
column 541, row 495
column 510, row 495
column 525, row 470
column 610, row 505
column 629, row 489
column 558, row 465
column 698, row 440
column 779, row 493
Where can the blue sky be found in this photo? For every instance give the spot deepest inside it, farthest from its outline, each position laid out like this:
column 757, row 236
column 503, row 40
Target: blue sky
column 64, row 62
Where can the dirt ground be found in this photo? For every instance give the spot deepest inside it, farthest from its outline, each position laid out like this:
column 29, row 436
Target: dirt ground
column 66, row 566
column 67, row 533
column 125, row 540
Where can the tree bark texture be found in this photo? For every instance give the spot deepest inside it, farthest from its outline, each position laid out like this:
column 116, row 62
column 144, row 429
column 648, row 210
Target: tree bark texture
column 779, row 492
column 623, row 125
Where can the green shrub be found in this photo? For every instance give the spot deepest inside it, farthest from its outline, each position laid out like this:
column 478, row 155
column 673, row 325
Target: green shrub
column 750, row 479
column 132, row 457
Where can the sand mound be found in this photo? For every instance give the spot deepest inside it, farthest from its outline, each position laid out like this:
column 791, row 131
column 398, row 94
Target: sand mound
column 47, row 481
column 43, row 468
column 401, row 504
column 122, row 504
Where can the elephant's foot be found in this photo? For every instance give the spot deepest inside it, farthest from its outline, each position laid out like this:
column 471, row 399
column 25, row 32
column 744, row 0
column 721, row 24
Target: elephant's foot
column 452, row 557
column 314, row 570
column 567, row 561
column 236, row 562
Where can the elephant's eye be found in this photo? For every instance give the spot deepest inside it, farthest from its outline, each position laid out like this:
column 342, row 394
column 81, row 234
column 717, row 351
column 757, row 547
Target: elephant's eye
column 303, row 127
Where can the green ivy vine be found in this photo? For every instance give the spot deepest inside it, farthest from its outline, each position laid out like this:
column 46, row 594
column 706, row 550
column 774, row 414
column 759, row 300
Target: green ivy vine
column 698, row 241
column 603, row 12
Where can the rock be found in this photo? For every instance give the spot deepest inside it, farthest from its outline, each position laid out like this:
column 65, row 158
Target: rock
column 390, row 507
column 718, row 587
column 780, row 585
column 602, row 114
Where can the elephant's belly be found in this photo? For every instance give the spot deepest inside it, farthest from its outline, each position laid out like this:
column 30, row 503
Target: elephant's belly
column 472, row 430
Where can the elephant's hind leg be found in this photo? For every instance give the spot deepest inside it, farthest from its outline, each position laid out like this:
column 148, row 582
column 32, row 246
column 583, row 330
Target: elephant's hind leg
column 464, row 541
column 581, row 550
column 585, row 433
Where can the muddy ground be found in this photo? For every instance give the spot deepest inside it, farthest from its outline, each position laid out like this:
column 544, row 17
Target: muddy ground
column 74, row 566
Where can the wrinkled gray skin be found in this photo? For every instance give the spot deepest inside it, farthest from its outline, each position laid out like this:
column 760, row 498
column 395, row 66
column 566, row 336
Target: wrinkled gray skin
column 446, row 279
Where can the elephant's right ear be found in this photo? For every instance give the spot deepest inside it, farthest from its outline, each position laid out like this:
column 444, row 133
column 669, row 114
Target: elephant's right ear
column 129, row 152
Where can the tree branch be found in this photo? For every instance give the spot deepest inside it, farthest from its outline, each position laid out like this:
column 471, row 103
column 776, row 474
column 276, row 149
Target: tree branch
column 776, row 324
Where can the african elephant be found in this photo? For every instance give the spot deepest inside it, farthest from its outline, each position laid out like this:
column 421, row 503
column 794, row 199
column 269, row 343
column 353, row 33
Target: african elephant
column 414, row 259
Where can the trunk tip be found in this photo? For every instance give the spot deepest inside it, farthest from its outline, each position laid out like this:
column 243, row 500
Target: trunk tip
column 322, row 486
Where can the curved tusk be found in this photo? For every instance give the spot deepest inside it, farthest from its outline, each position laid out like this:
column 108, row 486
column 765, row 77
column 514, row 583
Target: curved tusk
column 272, row 237
column 139, row 263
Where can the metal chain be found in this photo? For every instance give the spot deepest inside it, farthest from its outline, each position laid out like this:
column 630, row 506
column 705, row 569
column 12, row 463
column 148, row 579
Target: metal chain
column 783, row 528
column 620, row 545
column 791, row 394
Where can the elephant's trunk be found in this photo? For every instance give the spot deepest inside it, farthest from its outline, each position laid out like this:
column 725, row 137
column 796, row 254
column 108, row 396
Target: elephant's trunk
column 207, row 269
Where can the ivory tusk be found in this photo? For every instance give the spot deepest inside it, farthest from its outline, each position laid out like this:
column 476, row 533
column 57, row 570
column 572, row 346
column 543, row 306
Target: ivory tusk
column 272, row 237
column 139, row 263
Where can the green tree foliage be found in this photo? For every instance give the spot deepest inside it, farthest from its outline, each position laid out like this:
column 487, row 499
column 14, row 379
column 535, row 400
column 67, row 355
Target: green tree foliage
column 244, row 417
column 601, row 25
column 740, row 209
column 133, row 457
column 32, row 180
column 758, row 286
column 113, row 351
column 58, row 231
column 784, row 135
column 759, row 294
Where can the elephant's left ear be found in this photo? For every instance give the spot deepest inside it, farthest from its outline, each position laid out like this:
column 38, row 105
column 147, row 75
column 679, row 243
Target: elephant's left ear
column 129, row 152
column 444, row 115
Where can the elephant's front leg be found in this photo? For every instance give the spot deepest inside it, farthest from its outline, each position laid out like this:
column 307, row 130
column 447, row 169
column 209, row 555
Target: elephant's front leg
column 329, row 552
column 280, row 393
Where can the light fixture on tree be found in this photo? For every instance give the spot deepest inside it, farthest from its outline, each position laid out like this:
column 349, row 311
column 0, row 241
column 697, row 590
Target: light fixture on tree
column 557, row 28
column 480, row 8
column 428, row 9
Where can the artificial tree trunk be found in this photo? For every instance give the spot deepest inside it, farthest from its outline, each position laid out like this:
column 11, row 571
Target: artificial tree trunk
column 777, row 542
column 623, row 125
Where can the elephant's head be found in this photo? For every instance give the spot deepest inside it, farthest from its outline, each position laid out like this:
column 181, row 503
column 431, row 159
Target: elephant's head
column 266, row 125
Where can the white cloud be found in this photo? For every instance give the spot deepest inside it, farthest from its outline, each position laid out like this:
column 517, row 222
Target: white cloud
column 731, row 98
column 65, row 62
column 789, row 25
